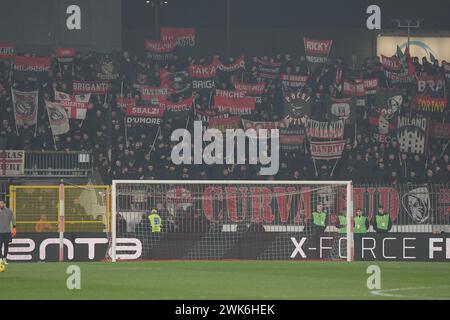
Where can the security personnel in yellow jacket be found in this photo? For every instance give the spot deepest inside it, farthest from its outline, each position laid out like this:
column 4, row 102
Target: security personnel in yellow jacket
column 342, row 222
column 360, row 222
column 155, row 221
column 382, row 222
column 319, row 219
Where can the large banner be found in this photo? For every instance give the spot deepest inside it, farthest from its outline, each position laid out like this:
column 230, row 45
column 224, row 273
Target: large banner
column 446, row 70
column 223, row 124
column 292, row 137
column 93, row 87
column 328, row 150
column 183, row 37
column 390, row 63
column 178, row 110
column 342, row 109
column 107, row 67
column 249, row 88
column 25, row 107
column 383, row 118
column 238, row 106
column 431, row 96
column 268, row 70
column 202, row 77
column 293, row 81
column 237, row 65
column 177, row 82
column 297, row 105
column 31, row 67
column 65, row 55
column 317, row 51
column 12, row 163
column 57, row 117
column 124, row 102
column 439, row 130
column 160, row 50
column 257, row 125
column 152, row 94
column 232, row 94
column 7, row 50
column 325, row 130
column 148, row 116
column 76, row 106
column 412, row 134
column 394, row 72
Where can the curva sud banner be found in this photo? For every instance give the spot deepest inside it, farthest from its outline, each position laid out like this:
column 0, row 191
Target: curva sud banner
column 34, row 247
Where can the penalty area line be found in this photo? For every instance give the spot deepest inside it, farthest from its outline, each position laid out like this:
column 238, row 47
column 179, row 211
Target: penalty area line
column 392, row 293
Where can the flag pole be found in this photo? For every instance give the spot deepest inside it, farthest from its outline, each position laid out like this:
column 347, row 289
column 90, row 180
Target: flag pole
column 14, row 109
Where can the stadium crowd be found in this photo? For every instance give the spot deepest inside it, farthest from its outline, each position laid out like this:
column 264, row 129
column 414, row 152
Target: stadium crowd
column 136, row 154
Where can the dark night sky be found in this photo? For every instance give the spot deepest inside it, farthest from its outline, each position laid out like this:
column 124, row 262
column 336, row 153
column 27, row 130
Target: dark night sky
column 286, row 13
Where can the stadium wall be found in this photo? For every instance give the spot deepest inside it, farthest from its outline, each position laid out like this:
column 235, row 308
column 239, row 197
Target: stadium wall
column 40, row 26
column 265, row 41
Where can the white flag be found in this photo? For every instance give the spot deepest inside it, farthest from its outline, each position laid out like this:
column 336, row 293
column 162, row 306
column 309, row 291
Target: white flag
column 57, row 116
column 76, row 105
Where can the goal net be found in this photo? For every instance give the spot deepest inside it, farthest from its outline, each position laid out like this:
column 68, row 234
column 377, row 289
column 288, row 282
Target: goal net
column 231, row 220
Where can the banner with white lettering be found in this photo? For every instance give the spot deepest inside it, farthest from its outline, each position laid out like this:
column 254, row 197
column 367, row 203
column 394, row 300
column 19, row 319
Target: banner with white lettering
column 12, row 163
column 232, row 94
column 237, row 65
column 177, row 110
column 412, row 134
column 7, row 50
column 325, row 130
column 93, row 87
column 249, row 88
column 431, row 96
column 65, row 55
column 297, row 105
column 268, row 70
column 31, row 67
column 202, row 77
column 293, row 81
column 317, row 51
column 160, row 50
column 147, row 116
column 234, row 106
column 223, row 124
column 152, row 94
column 183, row 37
column 327, row 150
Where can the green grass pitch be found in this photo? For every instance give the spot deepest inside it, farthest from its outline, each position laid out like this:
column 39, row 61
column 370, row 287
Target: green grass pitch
column 221, row 280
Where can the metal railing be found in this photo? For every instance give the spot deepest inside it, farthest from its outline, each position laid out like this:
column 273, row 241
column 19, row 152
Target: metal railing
column 58, row 164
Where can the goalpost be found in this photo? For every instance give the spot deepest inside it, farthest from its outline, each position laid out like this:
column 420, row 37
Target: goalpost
column 230, row 220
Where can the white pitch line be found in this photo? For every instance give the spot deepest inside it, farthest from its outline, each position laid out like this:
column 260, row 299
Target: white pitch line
column 386, row 292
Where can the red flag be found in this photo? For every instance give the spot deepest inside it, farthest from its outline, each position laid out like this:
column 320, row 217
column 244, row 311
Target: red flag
column 411, row 67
